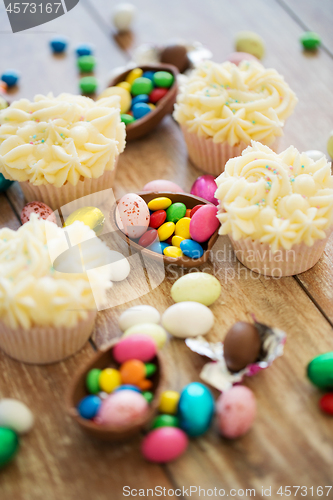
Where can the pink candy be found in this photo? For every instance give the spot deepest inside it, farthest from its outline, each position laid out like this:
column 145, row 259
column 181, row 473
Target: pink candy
column 205, row 187
column 122, row 408
column 204, row 223
column 236, row 410
column 238, row 57
column 139, row 347
column 162, row 185
column 39, row 208
column 164, row 444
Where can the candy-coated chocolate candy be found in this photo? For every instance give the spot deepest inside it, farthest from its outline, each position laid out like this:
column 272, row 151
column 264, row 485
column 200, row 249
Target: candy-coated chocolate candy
column 109, row 380
column 310, row 40
column 238, row 57
column 251, row 43
column 151, row 106
column 191, row 249
column 39, row 208
column 145, row 385
column 138, row 315
column 162, row 185
column 204, row 223
column 157, row 218
column 320, row 370
column 122, row 408
column 16, row 416
column 86, row 64
column 188, row 212
column 133, row 75
column 9, row 445
column 173, row 252
column 195, row 409
column 140, row 98
column 150, row 369
column 84, row 50
column 140, row 110
column 128, row 387
column 183, row 228
column 196, row 287
column 165, row 421
column 132, row 215
column 242, row 346
column 141, row 86
column 169, row 402
column 194, row 209
column 161, row 203
column 58, row 45
column 164, row 444
column 125, row 97
column 156, row 332
column 165, row 231
column 316, row 155
column 188, row 319
column 149, row 74
column 163, row 79
column 92, row 381
column 88, row 84
column 123, row 16
column 90, row 216
column 326, row 403
column 140, row 347
column 175, row 212
column 88, row 407
column 176, row 241
column 149, row 396
column 10, row 77
column 127, row 119
column 158, row 247
column 157, row 94
column 330, row 145
column 148, row 238
column 175, row 54
column 205, row 187
column 124, row 85
column 236, row 410
column 132, row 371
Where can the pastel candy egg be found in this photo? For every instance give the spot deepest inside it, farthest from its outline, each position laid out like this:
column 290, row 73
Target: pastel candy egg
column 166, row 230
column 89, row 406
column 123, row 16
column 132, row 215
column 196, row 409
column 90, row 216
column 205, row 187
column 315, row 155
column 16, row 416
column 236, row 410
column 125, row 97
column 188, row 319
column 204, row 223
column 169, row 402
column 109, row 379
column 162, row 186
column 320, row 370
column 196, row 287
column 140, row 110
column 165, row 421
column 137, row 315
column 183, row 228
column 119, row 266
column 148, row 238
column 141, row 86
column 164, row 444
column 156, row 332
column 157, row 218
column 175, row 212
column 161, row 203
column 122, row 408
column 39, row 208
column 173, row 252
column 9, row 445
column 251, row 43
column 141, row 347
column 191, row 249
column 238, row 57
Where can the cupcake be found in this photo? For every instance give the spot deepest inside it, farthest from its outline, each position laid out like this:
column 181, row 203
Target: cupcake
column 276, row 208
column 222, row 107
column 47, row 315
column 61, row 148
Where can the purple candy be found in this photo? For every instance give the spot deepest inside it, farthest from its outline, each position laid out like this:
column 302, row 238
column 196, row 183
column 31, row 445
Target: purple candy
column 205, row 187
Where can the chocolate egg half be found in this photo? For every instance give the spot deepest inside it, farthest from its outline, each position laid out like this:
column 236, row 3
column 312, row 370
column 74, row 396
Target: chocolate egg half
column 241, row 346
column 176, row 55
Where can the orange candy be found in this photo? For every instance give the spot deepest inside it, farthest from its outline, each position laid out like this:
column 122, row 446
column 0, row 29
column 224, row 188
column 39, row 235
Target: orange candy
column 188, row 212
column 133, row 372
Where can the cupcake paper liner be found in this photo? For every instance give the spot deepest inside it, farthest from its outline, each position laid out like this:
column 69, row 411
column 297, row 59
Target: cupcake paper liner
column 45, row 344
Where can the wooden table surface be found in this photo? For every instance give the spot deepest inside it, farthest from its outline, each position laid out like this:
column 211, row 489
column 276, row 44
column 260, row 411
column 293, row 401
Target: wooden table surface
column 291, row 443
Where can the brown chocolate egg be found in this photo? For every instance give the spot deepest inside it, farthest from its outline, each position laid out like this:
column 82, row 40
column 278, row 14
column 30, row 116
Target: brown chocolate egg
column 176, row 55
column 241, row 346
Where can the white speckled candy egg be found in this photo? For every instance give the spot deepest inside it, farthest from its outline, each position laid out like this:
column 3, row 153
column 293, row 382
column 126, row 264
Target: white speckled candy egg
column 120, row 267
column 314, row 154
column 196, row 287
column 137, row 315
column 123, row 16
column 156, row 332
column 15, row 415
column 188, row 319
column 132, row 215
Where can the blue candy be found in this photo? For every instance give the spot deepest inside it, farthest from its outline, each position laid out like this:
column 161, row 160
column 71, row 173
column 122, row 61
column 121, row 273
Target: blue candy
column 140, row 98
column 149, row 74
column 84, row 50
column 58, row 45
column 195, row 409
column 127, row 387
column 88, row 407
column 191, row 249
column 140, row 110
column 11, row 77
column 158, row 246
column 4, row 183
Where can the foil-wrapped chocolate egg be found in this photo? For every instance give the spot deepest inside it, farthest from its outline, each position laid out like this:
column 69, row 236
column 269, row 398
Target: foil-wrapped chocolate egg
column 241, row 346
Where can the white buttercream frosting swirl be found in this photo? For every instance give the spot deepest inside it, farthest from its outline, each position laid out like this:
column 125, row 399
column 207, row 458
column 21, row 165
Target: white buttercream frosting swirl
column 280, row 199
column 51, row 140
column 234, row 103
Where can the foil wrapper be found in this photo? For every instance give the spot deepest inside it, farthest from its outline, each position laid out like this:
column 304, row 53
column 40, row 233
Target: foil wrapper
column 217, row 374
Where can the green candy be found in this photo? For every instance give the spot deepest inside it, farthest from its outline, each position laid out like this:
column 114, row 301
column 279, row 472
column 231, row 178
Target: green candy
column 86, row 63
column 142, row 85
column 9, row 445
column 150, row 369
column 88, row 84
column 175, row 212
column 320, row 371
column 149, row 396
column 310, row 40
column 165, row 421
column 127, row 119
column 92, row 381
column 163, row 79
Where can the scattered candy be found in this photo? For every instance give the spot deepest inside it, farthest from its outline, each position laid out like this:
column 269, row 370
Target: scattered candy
column 139, row 347
column 137, row 315
column 320, row 371
column 84, row 50
column 86, row 64
column 188, row 319
column 236, row 410
column 90, row 216
column 59, row 45
column 132, row 215
column 92, row 381
column 330, row 145
column 251, row 43
column 89, row 406
column 238, row 57
column 9, row 445
column 310, row 40
column 10, row 77
column 123, row 16
column 165, row 421
column 176, row 55
column 156, row 332
column 109, row 379
column 162, row 185
column 191, row 249
column 169, row 402
column 164, row 444
column 196, row 287
column 205, row 187
column 326, row 403
column 39, row 208
column 88, row 84
column 204, row 223
column 122, row 408
column 16, row 416
column 242, row 346
column 196, row 409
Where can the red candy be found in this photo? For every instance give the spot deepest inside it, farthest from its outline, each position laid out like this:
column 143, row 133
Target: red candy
column 157, row 218
column 157, row 94
column 326, row 403
column 194, row 209
column 148, row 238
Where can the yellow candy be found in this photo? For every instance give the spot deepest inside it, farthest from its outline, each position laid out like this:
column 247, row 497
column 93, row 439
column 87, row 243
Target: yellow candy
column 169, row 402
column 183, row 228
column 124, row 85
column 133, row 75
column 166, row 230
column 125, row 97
column 90, row 216
column 159, row 204
column 173, row 252
column 151, row 105
column 109, row 380
column 176, row 241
